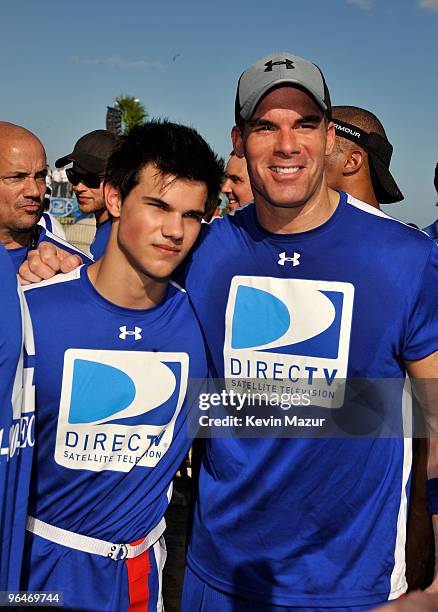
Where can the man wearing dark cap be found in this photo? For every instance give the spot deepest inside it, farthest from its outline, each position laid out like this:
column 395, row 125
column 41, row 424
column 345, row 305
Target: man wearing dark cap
column 432, row 230
column 359, row 162
column 89, row 157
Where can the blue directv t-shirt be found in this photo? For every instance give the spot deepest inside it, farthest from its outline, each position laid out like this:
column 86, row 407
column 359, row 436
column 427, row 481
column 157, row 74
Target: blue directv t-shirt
column 16, row 425
column 98, row 246
column 111, row 399
column 311, row 522
column 19, row 255
column 432, row 230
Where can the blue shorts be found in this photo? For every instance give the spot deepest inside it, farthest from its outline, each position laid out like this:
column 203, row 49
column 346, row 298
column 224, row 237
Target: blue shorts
column 198, row 596
column 92, row 582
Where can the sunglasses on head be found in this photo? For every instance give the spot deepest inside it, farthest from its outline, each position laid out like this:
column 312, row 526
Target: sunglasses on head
column 87, row 178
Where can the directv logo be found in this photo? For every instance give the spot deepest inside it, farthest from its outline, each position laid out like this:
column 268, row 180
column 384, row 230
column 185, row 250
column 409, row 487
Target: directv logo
column 118, row 408
column 294, row 331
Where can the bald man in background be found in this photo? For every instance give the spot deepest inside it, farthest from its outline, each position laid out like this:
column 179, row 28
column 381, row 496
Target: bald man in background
column 23, row 171
column 359, row 162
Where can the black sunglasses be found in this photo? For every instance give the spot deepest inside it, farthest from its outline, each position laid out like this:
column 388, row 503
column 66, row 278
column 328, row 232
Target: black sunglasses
column 87, row 178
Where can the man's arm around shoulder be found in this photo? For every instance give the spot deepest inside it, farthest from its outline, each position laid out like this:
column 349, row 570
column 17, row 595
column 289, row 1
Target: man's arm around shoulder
column 46, row 261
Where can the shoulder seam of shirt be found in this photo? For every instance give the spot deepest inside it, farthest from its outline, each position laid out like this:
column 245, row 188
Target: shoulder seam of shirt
column 58, row 278
column 62, row 242
column 371, row 210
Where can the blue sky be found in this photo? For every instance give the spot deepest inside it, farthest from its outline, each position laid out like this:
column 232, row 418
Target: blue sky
column 62, row 63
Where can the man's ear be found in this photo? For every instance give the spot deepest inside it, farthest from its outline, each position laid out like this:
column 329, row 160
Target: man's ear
column 113, row 200
column 330, row 140
column 237, row 138
column 353, row 161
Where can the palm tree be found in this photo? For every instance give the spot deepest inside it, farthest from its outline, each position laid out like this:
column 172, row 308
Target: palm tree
column 133, row 111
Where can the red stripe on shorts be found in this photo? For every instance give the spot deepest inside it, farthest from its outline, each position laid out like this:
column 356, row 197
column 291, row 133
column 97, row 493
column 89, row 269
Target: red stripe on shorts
column 138, row 580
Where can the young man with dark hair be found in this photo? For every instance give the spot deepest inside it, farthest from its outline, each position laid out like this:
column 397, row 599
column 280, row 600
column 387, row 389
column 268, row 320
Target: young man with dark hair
column 111, row 388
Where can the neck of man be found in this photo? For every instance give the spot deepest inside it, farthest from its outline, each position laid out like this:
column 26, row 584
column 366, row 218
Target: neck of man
column 360, row 187
column 101, row 215
column 14, row 240
column 300, row 218
column 119, row 281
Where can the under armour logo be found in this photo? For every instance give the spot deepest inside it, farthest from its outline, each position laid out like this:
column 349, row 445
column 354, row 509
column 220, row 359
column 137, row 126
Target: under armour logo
column 136, row 332
column 287, row 62
column 295, row 259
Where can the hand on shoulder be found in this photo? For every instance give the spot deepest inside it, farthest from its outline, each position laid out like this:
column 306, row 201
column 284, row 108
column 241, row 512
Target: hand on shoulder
column 46, row 261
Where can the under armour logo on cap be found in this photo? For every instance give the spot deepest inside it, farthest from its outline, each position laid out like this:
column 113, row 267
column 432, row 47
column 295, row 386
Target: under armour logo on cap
column 136, row 332
column 295, row 259
column 279, row 69
column 287, row 62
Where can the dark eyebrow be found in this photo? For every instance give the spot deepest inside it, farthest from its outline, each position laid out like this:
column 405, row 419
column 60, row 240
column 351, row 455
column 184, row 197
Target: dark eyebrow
column 17, row 173
column 310, row 119
column 152, row 200
column 260, row 123
column 149, row 199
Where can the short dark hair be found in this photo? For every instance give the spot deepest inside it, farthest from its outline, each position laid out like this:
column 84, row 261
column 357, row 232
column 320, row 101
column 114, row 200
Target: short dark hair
column 175, row 149
column 360, row 117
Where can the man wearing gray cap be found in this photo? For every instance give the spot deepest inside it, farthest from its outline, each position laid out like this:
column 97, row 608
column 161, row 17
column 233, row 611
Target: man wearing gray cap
column 295, row 305
column 89, row 157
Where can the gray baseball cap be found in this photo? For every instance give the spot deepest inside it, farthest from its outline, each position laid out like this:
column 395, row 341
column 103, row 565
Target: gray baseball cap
column 278, row 69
